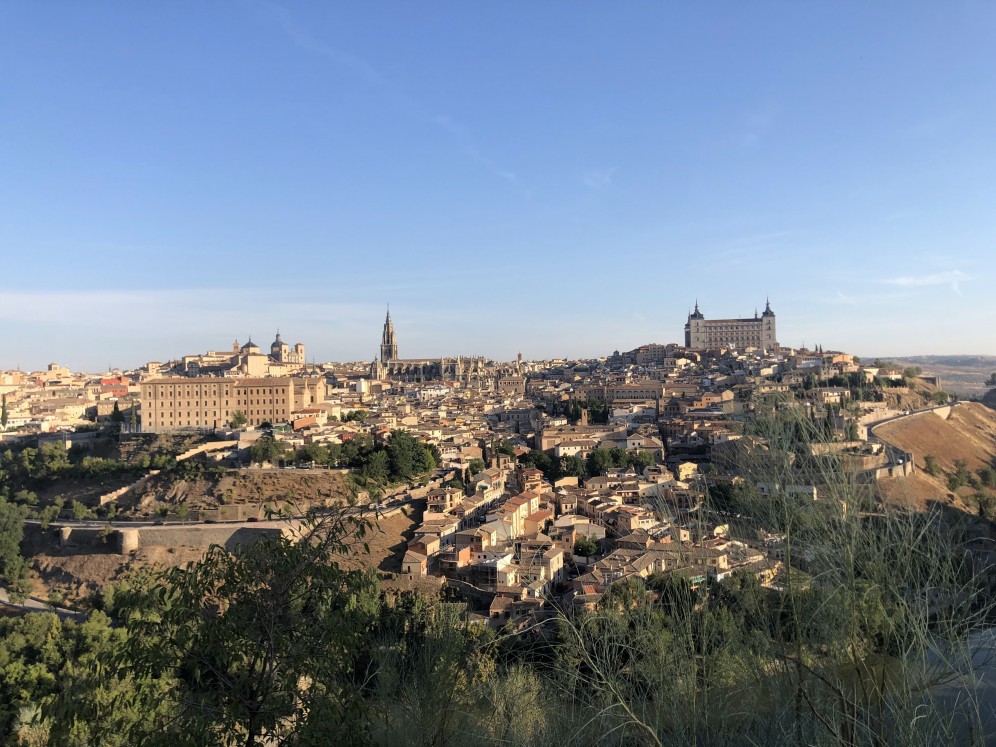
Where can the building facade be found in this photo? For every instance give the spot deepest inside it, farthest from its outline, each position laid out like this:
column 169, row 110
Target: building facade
column 705, row 334
column 210, row 402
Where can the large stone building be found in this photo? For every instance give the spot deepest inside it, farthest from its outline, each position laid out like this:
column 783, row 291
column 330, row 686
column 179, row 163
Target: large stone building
column 244, row 360
column 476, row 370
column 209, row 402
column 705, row 334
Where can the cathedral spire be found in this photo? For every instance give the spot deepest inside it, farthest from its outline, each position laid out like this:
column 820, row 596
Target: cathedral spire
column 388, row 341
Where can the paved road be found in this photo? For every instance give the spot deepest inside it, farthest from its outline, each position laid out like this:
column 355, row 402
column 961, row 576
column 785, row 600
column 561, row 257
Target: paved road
column 34, row 604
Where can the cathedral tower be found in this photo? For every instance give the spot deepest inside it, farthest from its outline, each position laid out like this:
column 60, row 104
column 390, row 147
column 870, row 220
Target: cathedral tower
column 388, row 343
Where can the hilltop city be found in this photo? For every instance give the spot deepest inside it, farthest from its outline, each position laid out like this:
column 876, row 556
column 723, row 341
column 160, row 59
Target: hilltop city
column 464, row 529
column 540, row 479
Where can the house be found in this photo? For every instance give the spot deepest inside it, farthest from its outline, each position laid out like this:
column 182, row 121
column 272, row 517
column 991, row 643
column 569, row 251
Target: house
column 414, row 563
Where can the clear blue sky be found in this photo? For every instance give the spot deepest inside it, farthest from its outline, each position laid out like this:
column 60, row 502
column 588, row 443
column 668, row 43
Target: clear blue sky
column 560, row 178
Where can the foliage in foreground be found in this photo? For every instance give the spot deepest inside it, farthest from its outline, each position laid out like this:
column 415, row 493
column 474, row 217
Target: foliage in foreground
column 278, row 644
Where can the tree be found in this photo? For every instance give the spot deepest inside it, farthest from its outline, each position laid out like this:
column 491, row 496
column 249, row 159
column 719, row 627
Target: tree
column 266, row 449
column 407, row 456
column 573, row 466
column 991, row 381
column 13, row 568
column 4, row 416
column 599, row 461
column 316, row 453
column 238, row 420
column 261, row 644
column 81, row 512
column 377, row 467
column 931, row 466
column 542, row 461
column 851, row 430
column 585, row 547
column 476, row 466
column 116, row 415
column 641, row 460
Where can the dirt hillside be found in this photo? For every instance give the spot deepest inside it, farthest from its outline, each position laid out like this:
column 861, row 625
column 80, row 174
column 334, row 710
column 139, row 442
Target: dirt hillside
column 250, row 486
column 968, row 434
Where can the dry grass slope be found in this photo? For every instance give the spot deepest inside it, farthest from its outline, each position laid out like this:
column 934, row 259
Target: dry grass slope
column 968, row 434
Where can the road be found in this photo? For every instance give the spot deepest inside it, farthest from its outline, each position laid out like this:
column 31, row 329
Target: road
column 34, row 604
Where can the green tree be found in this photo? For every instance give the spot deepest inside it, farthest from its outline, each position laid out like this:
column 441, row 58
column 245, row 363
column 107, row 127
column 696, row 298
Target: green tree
column 851, row 430
column 961, row 476
column 261, row 644
column 116, row 415
column 238, row 420
column 47, row 515
column 266, row 449
column 573, row 466
column 4, row 415
column 316, row 453
column 542, row 461
column 585, row 547
column 476, row 466
column 598, row 462
column 81, row 512
column 991, row 381
column 640, row 460
column 13, row 568
column 931, row 466
column 377, row 467
column 406, row 455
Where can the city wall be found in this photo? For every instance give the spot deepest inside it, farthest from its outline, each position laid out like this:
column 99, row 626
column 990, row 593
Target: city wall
column 91, row 539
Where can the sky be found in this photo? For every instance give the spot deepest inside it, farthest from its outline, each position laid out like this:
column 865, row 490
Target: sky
column 560, row 179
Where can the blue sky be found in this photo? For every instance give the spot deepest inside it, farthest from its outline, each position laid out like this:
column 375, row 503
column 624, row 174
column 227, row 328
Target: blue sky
column 560, row 179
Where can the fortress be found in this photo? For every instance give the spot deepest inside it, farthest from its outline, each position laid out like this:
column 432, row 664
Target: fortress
column 704, row 334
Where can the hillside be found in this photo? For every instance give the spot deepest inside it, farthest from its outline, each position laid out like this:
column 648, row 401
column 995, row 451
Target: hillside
column 242, row 486
column 75, row 573
column 967, row 435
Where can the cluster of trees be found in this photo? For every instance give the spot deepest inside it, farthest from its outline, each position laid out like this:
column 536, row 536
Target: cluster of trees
column 401, row 459
column 34, row 468
column 598, row 411
column 279, row 643
column 595, row 464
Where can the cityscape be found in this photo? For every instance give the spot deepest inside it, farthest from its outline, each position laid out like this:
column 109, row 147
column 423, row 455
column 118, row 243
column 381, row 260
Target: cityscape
column 529, row 490
column 492, row 375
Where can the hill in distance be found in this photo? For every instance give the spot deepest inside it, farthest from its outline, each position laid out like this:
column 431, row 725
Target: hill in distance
column 963, row 375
